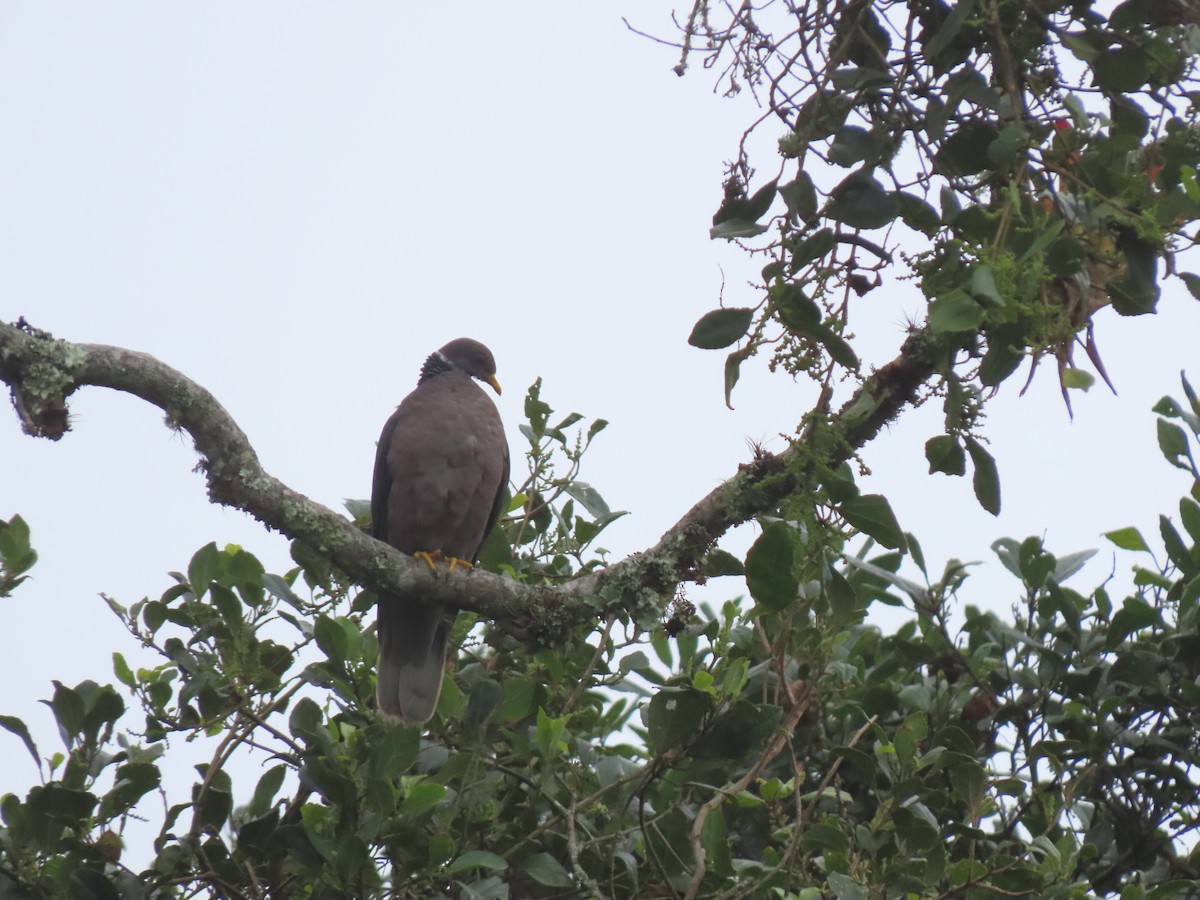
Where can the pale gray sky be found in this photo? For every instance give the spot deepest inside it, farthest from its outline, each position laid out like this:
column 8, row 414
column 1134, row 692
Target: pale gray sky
column 294, row 203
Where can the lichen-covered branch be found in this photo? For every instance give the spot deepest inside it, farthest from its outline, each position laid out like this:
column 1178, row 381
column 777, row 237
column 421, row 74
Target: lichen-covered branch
column 42, row 372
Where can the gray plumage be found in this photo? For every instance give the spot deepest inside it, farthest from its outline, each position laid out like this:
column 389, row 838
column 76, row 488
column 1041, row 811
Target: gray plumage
column 441, row 468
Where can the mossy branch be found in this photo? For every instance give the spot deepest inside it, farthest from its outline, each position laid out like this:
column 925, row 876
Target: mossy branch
column 42, row 372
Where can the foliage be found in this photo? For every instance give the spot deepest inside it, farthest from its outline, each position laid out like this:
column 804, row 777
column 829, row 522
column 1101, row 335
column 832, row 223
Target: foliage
column 16, row 555
column 785, row 749
column 1044, row 154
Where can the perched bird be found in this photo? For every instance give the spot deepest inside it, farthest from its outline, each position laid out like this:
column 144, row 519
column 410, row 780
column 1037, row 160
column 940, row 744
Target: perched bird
column 441, row 470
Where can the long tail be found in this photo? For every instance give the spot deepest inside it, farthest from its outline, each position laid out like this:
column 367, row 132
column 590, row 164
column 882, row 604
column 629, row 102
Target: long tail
column 412, row 659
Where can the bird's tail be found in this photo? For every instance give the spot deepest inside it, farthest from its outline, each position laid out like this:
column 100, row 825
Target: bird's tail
column 412, row 659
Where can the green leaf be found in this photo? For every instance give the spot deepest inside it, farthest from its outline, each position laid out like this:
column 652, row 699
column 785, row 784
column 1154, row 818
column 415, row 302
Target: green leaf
column 1042, row 241
column 16, row 554
column 305, row 720
column 1007, row 146
column 1065, row 257
column 852, row 144
column 969, row 781
column 633, row 662
column 545, row 869
column 518, row 699
column 490, row 888
column 1071, row 563
column 1169, row 408
column 769, row 565
column 15, row 536
column 1172, row 441
column 918, row 215
column 133, row 781
column 483, row 700
column 1189, row 512
column 839, row 484
column 537, row 410
column 824, row 836
column 861, row 202
column 266, row 789
column 597, row 426
column 422, row 797
column 1136, row 292
column 1128, row 538
column 746, row 210
column 844, row 888
column 1192, row 282
column 836, row 346
column 589, row 498
column 718, row 562
column 1176, row 549
column 1121, row 70
column 733, row 370
column 674, row 715
column 332, row 639
column 816, row 246
column 1005, row 351
column 477, row 859
column 1128, row 118
column 68, row 711
column 359, row 509
column 1076, row 379
column 102, row 704
column 279, row 588
column 93, row 884
column 986, row 480
column 983, row 286
column 550, row 731
column 1034, row 562
column 122, row 671
column 204, row 569
column 914, row 590
column 1082, row 44
column 950, row 28
column 211, row 808
column 18, row 727
column 795, row 308
column 1134, row 615
column 736, row 228
column 872, row 515
column 1193, row 400
column 318, row 572
column 955, row 311
column 714, row 838
column 53, row 801
column 735, row 677
column 800, row 196
column 720, row 328
column 966, row 151
column 945, row 454
column 859, row 78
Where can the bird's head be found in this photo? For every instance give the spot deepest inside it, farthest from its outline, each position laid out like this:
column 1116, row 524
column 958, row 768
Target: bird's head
column 465, row 355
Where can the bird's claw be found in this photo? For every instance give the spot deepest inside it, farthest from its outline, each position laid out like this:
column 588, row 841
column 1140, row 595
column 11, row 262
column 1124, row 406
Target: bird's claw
column 429, row 558
column 438, row 556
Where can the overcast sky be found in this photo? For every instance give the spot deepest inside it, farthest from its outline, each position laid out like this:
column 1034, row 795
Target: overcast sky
column 294, row 203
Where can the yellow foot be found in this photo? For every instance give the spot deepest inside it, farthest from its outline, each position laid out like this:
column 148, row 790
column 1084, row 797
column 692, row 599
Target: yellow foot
column 430, row 558
column 437, row 556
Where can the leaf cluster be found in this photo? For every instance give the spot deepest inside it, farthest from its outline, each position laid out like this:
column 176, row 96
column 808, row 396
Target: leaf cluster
column 782, row 748
column 1032, row 164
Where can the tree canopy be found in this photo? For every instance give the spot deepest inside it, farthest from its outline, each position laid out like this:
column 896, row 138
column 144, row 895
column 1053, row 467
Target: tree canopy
column 1027, row 165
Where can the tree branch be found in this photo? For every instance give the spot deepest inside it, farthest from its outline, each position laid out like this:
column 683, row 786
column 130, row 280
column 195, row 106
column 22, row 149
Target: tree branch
column 42, row 372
